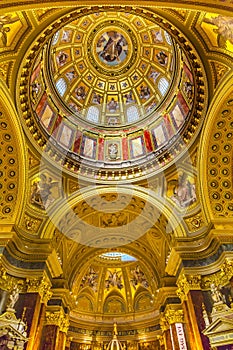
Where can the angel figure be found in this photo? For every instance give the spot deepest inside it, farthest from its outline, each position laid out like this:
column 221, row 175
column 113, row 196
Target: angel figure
column 184, row 193
column 113, row 280
column 216, row 294
column 42, row 194
column 13, row 298
column 224, row 29
column 4, row 20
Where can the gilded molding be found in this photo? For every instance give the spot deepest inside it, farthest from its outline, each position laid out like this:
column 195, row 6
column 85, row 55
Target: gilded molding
column 31, row 224
column 8, row 282
column 163, row 323
column 220, row 278
column 227, row 269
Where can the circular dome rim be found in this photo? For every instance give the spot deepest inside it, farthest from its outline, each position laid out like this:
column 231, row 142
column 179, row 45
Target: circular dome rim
column 73, row 164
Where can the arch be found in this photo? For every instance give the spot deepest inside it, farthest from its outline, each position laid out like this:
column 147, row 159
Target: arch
column 143, row 300
column 205, row 5
column 153, row 206
column 114, row 303
column 216, row 162
column 84, row 303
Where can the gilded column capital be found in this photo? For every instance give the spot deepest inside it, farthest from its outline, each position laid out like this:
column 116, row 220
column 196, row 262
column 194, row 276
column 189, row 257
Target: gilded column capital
column 186, row 283
column 160, row 339
column 65, row 324
column 57, row 318
column 163, row 323
column 8, row 282
column 45, row 290
column 174, row 316
column 41, row 286
column 227, row 268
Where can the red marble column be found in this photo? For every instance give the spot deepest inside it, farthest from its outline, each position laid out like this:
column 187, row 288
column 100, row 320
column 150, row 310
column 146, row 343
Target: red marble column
column 167, row 340
column 49, row 338
column 191, row 324
column 29, row 308
column 34, row 342
column 196, row 298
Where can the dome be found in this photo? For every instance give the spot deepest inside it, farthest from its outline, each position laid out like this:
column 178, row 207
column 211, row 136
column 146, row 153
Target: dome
column 114, row 95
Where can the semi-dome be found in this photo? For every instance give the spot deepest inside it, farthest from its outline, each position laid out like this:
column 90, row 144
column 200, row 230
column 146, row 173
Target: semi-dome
column 114, row 286
column 114, row 94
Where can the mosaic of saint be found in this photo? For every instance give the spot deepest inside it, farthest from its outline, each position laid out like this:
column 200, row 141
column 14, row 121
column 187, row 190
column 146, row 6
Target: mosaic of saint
column 112, row 48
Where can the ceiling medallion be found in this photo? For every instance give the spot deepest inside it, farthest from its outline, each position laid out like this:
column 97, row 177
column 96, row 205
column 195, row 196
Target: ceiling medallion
column 112, row 47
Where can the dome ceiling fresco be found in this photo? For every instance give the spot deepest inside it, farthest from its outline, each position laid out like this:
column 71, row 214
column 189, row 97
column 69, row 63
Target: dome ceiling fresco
column 114, row 91
column 110, row 70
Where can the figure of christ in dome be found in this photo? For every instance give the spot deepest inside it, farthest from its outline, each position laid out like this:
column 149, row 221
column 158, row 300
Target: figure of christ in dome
column 113, row 47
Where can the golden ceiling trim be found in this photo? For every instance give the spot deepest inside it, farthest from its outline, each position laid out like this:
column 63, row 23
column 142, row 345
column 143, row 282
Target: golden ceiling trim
column 220, row 5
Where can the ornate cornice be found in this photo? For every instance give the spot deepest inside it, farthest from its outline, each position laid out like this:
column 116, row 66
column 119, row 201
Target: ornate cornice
column 221, row 277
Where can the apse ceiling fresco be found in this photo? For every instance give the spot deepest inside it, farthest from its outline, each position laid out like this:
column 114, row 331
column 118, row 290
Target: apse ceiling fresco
column 119, row 282
column 114, row 91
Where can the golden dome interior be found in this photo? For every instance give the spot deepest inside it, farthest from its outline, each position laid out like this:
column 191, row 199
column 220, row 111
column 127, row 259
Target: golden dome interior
column 138, row 110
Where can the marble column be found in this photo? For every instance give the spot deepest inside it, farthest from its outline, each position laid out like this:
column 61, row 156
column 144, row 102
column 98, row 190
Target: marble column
column 55, row 329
